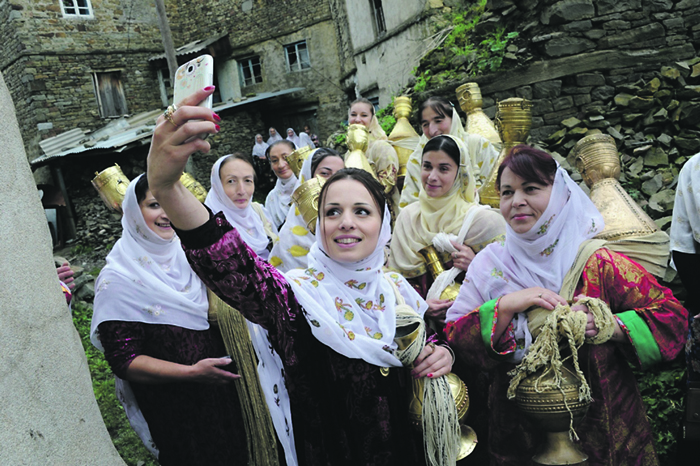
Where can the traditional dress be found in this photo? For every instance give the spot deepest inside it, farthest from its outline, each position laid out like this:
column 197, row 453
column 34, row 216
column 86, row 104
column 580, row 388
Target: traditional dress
column 333, row 325
column 279, row 200
column 295, row 238
column 456, row 213
column 293, row 137
column 306, row 141
column 273, row 138
column 481, row 153
column 685, row 240
column 148, row 301
column 615, row 430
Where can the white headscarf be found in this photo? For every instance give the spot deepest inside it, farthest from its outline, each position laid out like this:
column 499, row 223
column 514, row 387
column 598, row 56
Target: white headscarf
column 295, row 239
column 279, row 200
column 685, row 228
column 294, row 138
column 259, row 148
column 482, row 156
column 147, row 279
column 276, row 137
column 541, row 257
column 305, row 140
column 246, row 220
column 351, row 307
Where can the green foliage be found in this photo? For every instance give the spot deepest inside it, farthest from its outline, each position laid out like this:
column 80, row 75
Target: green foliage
column 80, row 249
column 386, row 119
column 484, row 54
column 663, row 389
column 124, row 438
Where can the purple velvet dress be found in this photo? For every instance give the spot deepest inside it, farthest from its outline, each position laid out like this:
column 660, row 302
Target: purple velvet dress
column 344, row 411
column 191, row 423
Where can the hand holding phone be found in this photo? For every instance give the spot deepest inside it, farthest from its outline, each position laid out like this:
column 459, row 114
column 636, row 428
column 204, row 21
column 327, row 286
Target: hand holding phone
column 194, row 75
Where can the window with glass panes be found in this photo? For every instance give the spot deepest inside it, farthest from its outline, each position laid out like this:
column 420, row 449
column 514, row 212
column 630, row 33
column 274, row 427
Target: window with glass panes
column 76, row 8
column 250, row 71
column 297, row 55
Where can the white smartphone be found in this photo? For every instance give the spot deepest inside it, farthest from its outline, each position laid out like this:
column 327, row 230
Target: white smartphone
column 189, row 78
column 193, row 76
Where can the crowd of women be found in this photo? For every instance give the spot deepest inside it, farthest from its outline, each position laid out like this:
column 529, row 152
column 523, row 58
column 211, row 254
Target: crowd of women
column 332, row 302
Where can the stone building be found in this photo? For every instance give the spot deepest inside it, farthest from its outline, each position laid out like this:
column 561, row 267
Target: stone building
column 81, row 63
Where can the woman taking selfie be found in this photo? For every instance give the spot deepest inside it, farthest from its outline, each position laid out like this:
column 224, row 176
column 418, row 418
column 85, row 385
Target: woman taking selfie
column 333, row 324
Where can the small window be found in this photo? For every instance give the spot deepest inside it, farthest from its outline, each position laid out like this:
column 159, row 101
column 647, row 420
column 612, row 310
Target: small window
column 110, row 94
column 297, row 56
column 250, row 71
column 80, row 8
column 378, row 14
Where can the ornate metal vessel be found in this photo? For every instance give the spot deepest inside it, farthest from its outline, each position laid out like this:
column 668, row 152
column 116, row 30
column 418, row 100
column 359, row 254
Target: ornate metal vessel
column 460, row 395
column 469, row 98
column 514, row 120
column 193, row 186
column 552, row 408
column 436, row 267
column 296, row 159
column 402, row 130
column 358, row 142
column 598, row 161
column 111, row 184
column 305, row 197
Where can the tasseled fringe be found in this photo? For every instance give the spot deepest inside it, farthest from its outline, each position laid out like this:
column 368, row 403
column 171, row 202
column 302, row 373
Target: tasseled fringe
column 260, row 433
column 441, row 431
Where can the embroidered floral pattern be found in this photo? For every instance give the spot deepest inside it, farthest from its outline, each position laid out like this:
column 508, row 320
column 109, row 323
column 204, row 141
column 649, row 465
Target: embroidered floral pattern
column 593, row 227
column 545, row 226
column 371, row 306
column 344, row 308
column 372, row 334
column 499, row 274
column 550, row 249
column 144, row 262
column 355, row 284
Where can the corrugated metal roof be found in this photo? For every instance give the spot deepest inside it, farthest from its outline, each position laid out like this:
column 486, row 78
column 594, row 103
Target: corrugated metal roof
column 124, row 133
column 192, row 47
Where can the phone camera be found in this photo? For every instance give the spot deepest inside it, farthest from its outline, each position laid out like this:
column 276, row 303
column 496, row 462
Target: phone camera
column 190, row 69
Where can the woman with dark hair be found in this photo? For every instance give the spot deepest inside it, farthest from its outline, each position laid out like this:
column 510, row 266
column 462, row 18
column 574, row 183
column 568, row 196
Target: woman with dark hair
column 381, row 155
column 279, row 199
column 150, row 319
column 437, row 117
column 333, row 324
column 549, row 258
column 295, row 238
column 446, row 216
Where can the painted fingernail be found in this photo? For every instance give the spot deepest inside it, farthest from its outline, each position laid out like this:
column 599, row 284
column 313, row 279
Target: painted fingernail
column 216, row 117
column 218, row 128
column 209, row 88
column 430, row 375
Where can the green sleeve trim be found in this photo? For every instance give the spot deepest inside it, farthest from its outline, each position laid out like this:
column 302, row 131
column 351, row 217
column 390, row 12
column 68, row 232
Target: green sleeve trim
column 487, row 313
column 642, row 339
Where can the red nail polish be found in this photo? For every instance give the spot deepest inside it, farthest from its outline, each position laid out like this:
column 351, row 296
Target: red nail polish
column 216, row 117
column 218, row 128
column 430, row 375
column 209, row 88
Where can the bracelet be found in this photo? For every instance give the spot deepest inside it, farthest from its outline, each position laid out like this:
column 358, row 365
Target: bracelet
column 452, row 353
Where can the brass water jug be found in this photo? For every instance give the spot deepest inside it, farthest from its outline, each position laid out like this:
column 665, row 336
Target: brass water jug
column 357, row 141
column 436, row 267
column 513, row 120
column 111, row 184
column 599, row 164
column 470, row 101
column 296, row 159
column 402, row 130
column 305, row 197
column 545, row 405
column 193, row 186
